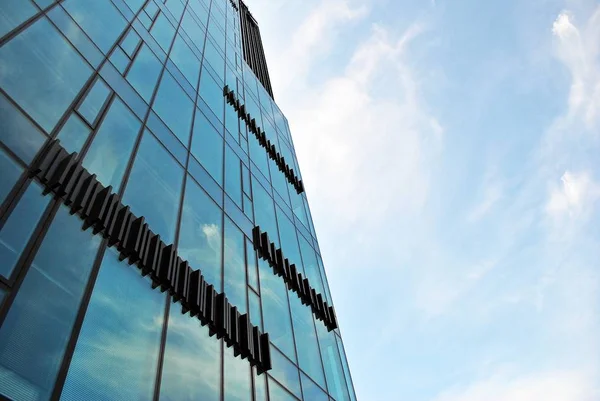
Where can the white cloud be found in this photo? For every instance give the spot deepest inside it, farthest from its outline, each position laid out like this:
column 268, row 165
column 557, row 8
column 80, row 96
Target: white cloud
column 576, row 195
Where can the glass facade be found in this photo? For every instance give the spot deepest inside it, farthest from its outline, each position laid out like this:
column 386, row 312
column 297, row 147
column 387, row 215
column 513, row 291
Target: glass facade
column 136, row 88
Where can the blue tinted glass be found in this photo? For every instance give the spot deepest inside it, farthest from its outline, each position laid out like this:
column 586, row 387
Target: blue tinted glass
column 42, row 72
column 260, row 387
column 94, row 17
column 119, row 59
column 19, row 227
column 185, row 60
column 285, row 372
column 117, row 350
column 44, row 310
column 346, row 369
column 166, row 137
column 13, row 13
column 130, row 42
column 235, row 266
column 193, row 30
column 311, row 391
column 215, row 59
column 212, row 94
column 163, row 32
column 192, row 367
column 207, row 147
column 233, row 176
column 109, row 153
column 94, row 100
column 278, row 393
column 154, row 187
column 307, row 346
column 10, row 174
column 237, row 378
column 134, row 4
column 252, row 267
column 18, row 133
column 200, row 8
column 200, row 233
column 254, row 309
column 311, row 268
column 73, row 134
column 264, row 212
column 144, row 72
column 289, row 241
column 174, row 107
column 276, row 313
column 176, row 8
column 333, row 366
column 258, row 155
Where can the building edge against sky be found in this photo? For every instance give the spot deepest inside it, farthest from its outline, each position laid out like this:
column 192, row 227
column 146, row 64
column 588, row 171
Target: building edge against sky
column 128, row 126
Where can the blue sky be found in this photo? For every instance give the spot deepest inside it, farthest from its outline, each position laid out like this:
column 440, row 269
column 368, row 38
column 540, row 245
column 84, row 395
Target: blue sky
column 449, row 151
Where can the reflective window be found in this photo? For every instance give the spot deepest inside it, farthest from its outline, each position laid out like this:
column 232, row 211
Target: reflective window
column 11, row 172
column 94, row 17
column 252, row 267
column 185, row 60
column 207, row 147
column 276, row 313
column 144, row 73
column 174, row 107
column 212, row 94
column 278, row 393
column 235, row 266
column 119, row 60
column 19, row 227
column 307, row 346
column 233, row 176
column 192, row 366
column 311, row 268
column 13, row 13
column 264, row 212
column 94, row 100
column 285, row 372
column 255, row 309
column 42, row 314
column 260, row 386
column 200, row 8
column 333, row 366
column 215, row 59
column 258, row 155
column 73, row 134
column 117, row 350
column 200, row 233
column 111, row 147
column 237, row 378
column 311, row 391
column 192, row 29
column 163, row 32
column 289, row 241
column 42, row 72
column 130, row 42
column 154, row 187
column 176, row 8
column 346, row 369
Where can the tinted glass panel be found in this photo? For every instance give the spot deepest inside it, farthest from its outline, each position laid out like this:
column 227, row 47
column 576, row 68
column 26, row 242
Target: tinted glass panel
column 192, row 366
column 94, row 100
column 163, row 32
column 111, row 148
column 42, row 315
column 200, row 233
column 10, row 174
column 13, row 13
column 235, row 266
column 278, row 393
column 144, row 73
column 73, row 134
column 94, row 17
column 285, row 372
column 212, row 94
column 174, row 107
column 333, row 366
column 185, row 60
column 207, row 147
column 311, row 391
column 19, row 227
column 237, row 378
column 42, row 72
column 117, row 350
column 154, row 187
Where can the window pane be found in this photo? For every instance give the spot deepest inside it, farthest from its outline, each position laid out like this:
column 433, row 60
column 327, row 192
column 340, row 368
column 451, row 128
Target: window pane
column 212, row 94
column 207, row 147
column 10, row 174
column 333, row 366
column 200, row 233
column 111, row 148
column 163, row 32
column 233, row 176
column 311, row 391
column 346, row 369
column 285, row 372
column 154, row 187
column 311, row 268
column 94, row 101
column 185, row 60
column 215, row 59
column 42, row 315
column 19, row 227
column 264, row 212
column 174, row 107
column 13, row 13
column 306, row 340
column 192, row 366
column 235, row 266
column 117, row 351
column 73, row 134
column 144, row 73
column 193, row 30
column 237, row 378
column 277, row 393
column 289, row 241
column 255, row 311
column 276, row 312
column 42, row 72
column 94, row 17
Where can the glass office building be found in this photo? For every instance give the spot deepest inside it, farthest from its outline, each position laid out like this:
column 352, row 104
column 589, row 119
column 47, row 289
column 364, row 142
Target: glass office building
column 155, row 237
